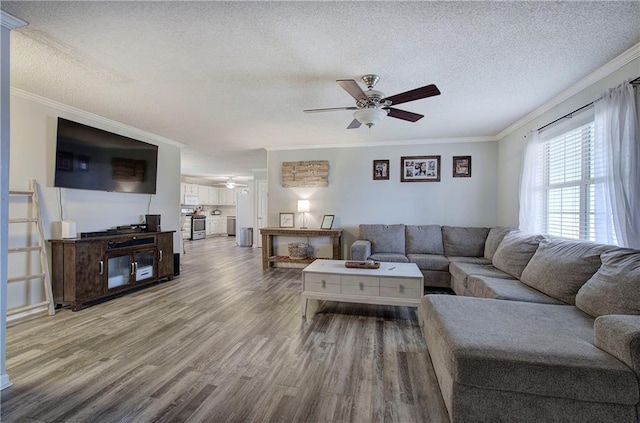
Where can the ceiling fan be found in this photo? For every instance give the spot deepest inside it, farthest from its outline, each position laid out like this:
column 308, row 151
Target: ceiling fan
column 372, row 105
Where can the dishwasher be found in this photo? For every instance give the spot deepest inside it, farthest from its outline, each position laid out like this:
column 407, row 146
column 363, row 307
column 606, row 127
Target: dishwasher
column 231, row 225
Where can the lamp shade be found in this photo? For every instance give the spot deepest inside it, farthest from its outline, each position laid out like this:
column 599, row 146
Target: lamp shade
column 369, row 116
column 303, row 206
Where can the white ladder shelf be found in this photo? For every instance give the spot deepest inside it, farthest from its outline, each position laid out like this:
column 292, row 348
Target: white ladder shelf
column 43, row 274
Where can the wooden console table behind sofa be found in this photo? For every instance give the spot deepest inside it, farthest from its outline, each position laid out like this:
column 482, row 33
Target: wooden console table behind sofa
column 269, row 233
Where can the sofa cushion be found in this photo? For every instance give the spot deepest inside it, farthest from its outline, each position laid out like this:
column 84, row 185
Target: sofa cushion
column 559, row 268
column 494, row 238
column 462, row 271
column 515, row 251
column 461, row 241
column 538, row 349
column 384, row 238
column 474, row 260
column 424, row 239
column 394, row 257
column 429, row 261
column 506, row 289
column 615, row 288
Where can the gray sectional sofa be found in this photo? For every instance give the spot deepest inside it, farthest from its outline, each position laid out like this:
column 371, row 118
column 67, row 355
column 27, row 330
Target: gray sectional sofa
column 541, row 329
column 431, row 247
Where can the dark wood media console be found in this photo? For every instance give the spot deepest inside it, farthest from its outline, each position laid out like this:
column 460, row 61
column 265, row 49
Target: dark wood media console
column 85, row 270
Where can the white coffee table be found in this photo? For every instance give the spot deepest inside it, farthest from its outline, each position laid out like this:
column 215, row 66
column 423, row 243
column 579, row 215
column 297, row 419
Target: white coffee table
column 399, row 284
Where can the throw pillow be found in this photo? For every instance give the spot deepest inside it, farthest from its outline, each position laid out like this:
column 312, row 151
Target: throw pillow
column 515, row 251
column 464, row 242
column 615, row 288
column 559, row 268
column 494, row 238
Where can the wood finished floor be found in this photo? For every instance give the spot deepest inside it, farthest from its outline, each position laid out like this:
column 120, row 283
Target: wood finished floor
column 223, row 342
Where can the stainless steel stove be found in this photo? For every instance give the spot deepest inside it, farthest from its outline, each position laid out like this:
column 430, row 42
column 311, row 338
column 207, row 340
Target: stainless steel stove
column 198, row 226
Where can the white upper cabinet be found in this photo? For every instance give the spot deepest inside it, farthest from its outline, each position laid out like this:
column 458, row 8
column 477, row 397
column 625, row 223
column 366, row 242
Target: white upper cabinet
column 214, row 198
column 209, row 196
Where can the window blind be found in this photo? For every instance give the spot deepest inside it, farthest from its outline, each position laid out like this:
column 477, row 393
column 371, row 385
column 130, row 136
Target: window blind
column 569, row 183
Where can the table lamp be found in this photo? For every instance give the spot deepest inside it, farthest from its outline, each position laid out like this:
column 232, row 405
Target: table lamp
column 303, row 207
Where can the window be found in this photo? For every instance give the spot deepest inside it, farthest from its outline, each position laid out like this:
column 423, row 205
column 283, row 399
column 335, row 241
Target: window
column 579, row 174
column 568, row 184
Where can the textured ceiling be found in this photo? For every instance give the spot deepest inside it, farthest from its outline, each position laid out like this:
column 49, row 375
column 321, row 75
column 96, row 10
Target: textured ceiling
column 229, row 79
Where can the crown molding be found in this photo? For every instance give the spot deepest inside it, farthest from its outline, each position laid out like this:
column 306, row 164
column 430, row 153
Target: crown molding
column 129, row 130
column 600, row 73
column 389, row 143
column 11, row 22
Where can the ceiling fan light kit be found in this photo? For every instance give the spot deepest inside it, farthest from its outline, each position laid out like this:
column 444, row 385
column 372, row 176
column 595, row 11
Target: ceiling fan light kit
column 369, row 116
column 372, row 105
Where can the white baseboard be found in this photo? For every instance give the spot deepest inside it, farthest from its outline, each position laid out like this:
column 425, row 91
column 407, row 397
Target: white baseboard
column 26, row 314
column 5, row 382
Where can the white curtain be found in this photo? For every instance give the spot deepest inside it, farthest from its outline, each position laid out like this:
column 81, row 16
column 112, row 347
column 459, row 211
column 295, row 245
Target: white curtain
column 531, row 189
column 617, row 163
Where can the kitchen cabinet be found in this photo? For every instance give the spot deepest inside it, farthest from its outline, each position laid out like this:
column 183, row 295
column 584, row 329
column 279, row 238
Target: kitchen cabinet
column 192, row 189
column 210, row 196
column 203, row 195
column 85, row 270
column 189, row 189
column 227, row 196
column 209, row 225
column 220, row 226
column 216, row 225
column 214, row 197
column 189, row 194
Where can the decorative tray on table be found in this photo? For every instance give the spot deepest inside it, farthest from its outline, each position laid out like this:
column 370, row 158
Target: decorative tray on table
column 367, row 264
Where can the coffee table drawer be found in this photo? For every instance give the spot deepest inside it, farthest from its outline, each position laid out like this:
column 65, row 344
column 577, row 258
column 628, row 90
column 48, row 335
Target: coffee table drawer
column 361, row 285
column 318, row 282
column 400, row 288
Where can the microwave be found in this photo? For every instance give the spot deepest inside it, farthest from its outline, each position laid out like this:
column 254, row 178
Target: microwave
column 190, row 200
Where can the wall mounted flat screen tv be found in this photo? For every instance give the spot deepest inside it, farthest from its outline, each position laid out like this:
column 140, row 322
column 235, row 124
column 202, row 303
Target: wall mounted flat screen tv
column 90, row 158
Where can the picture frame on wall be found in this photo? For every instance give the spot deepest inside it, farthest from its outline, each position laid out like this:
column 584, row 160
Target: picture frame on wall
column 380, row 170
column 420, row 169
column 461, row 166
column 327, row 221
column 287, row 220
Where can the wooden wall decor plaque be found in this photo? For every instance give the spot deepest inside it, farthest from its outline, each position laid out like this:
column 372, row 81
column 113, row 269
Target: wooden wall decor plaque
column 305, row 174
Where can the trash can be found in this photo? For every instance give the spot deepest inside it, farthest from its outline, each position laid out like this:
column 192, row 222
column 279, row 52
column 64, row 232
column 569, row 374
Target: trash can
column 246, row 237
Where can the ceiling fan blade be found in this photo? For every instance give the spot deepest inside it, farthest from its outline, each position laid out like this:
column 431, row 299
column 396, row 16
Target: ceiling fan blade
column 330, row 109
column 403, row 114
column 354, row 124
column 352, row 87
column 416, row 94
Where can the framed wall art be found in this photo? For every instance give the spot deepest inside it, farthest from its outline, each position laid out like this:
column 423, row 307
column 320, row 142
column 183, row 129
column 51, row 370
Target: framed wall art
column 380, row 170
column 327, row 221
column 286, row 220
column 420, row 169
column 461, row 166
column 305, row 174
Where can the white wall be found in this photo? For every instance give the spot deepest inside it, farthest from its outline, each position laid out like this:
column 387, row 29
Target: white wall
column 510, row 146
column 33, row 145
column 354, row 197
